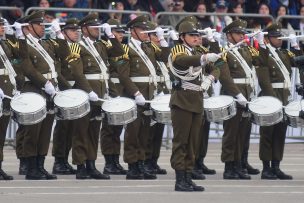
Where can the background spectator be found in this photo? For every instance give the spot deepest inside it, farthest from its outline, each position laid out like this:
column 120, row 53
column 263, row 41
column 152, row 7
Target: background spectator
column 235, row 7
column 43, row 3
column 204, row 20
column 71, row 4
column 253, row 6
column 261, row 23
column 12, row 15
column 221, row 21
column 119, row 6
column 174, row 6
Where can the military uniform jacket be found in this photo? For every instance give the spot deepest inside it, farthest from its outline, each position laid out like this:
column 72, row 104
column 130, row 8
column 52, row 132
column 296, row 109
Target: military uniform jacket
column 189, row 100
column 135, row 67
column 112, row 48
column 271, row 73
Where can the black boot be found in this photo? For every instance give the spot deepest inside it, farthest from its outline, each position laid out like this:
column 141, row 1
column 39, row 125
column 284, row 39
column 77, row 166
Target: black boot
column 239, row 170
column 33, row 173
column 40, row 165
column 275, row 165
column 247, row 166
column 148, row 165
column 133, row 173
column 117, row 164
column 197, row 174
column 3, row 175
column 207, row 171
column 147, row 175
column 93, row 172
column 230, row 172
column 69, row 166
column 181, row 183
column 81, row 172
column 23, row 166
column 195, row 187
column 267, row 172
column 60, row 167
column 110, row 166
column 157, row 168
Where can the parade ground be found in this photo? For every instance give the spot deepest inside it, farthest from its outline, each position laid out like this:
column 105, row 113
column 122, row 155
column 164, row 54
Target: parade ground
column 118, row 189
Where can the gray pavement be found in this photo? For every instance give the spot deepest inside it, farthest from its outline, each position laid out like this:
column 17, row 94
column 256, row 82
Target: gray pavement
column 67, row 189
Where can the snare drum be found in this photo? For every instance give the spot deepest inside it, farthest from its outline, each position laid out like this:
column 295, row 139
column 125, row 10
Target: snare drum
column 71, row 104
column 266, row 111
column 28, row 108
column 120, row 111
column 219, row 108
column 161, row 109
column 292, row 111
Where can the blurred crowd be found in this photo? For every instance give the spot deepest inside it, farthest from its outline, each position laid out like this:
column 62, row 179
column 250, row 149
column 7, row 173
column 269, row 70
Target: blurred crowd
column 265, row 8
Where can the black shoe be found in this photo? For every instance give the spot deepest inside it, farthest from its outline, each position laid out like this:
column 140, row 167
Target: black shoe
column 157, row 168
column 94, row 173
column 133, row 173
column 70, row 167
column 242, row 173
column 81, row 172
column 120, row 168
column 147, row 175
column 229, row 172
column 268, row 174
column 40, row 165
column 250, row 169
column 60, row 167
column 275, row 165
column 110, row 166
column 3, row 175
column 23, row 166
column 33, row 173
column 181, row 183
column 196, row 175
column 206, row 170
column 195, row 187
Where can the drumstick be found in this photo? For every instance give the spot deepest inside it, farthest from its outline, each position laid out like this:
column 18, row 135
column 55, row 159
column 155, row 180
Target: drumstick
column 232, row 47
column 103, row 100
column 156, row 102
column 11, row 98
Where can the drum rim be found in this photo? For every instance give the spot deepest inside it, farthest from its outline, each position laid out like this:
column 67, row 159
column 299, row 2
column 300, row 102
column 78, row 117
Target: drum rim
column 69, row 90
column 34, row 93
column 122, row 98
column 279, row 110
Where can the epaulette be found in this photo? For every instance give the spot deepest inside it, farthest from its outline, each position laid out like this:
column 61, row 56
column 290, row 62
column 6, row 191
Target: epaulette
column 224, row 56
column 253, row 51
column 75, row 52
column 107, row 43
column 178, row 50
column 202, row 49
column 290, row 54
column 155, row 47
column 54, row 42
column 14, row 45
column 126, row 49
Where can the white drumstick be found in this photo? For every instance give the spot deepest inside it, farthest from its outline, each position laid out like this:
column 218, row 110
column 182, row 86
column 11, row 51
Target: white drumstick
column 151, row 31
column 155, row 102
column 232, row 47
column 288, row 37
column 103, row 100
column 255, row 33
column 21, row 24
column 51, row 23
column 101, row 26
column 11, row 98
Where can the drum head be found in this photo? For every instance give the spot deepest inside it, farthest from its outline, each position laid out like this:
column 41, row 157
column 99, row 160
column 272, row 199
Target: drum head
column 217, row 102
column 28, row 102
column 117, row 105
column 293, row 108
column 161, row 103
column 70, row 98
column 265, row 105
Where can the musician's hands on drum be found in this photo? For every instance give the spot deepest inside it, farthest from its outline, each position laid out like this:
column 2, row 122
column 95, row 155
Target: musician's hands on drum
column 1, row 94
column 16, row 93
column 49, row 88
column 161, row 94
column 108, row 30
column 241, row 99
column 139, row 99
column 207, row 82
column 173, row 35
column 93, row 96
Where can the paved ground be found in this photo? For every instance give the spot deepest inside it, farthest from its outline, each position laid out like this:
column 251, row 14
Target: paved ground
column 67, row 189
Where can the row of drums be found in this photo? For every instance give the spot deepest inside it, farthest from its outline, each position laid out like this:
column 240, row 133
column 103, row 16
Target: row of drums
column 30, row 108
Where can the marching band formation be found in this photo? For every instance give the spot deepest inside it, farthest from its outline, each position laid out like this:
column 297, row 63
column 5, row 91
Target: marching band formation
column 95, row 86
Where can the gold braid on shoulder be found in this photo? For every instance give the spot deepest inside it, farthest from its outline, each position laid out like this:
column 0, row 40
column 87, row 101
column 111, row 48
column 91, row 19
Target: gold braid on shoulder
column 74, row 52
column 178, row 50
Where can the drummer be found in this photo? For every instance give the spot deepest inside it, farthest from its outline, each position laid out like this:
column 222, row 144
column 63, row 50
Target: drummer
column 275, row 81
column 238, row 80
column 8, row 83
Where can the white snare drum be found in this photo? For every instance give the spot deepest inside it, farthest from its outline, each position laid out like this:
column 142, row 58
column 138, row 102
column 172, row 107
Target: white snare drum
column 219, row 108
column 292, row 111
column 120, row 111
column 71, row 104
column 161, row 109
column 28, row 108
column 266, row 111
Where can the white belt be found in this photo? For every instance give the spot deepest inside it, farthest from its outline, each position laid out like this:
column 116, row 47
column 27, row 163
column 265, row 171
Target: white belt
column 72, row 83
column 191, row 86
column 242, row 80
column 3, row 72
column 278, row 85
column 115, row 80
column 141, row 79
column 96, row 77
column 47, row 76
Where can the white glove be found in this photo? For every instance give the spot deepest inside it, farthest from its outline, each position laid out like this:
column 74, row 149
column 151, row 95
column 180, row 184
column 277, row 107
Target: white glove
column 173, row 35
column 241, row 99
column 49, row 88
column 19, row 34
column 160, row 94
column 210, row 57
column 8, row 29
column 205, row 95
column 260, row 38
column 160, row 33
column 107, row 29
column 140, row 100
column 209, row 34
column 1, row 94
column 55, row 27
column 207, row 82
column 217, row 36
column 293, row 40
column 93, row 96
column 16, row 93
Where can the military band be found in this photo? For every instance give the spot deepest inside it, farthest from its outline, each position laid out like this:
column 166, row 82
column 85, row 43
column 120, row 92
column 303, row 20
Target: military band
column 83, row 54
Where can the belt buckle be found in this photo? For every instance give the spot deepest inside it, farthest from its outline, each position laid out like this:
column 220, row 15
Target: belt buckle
column 49, row 76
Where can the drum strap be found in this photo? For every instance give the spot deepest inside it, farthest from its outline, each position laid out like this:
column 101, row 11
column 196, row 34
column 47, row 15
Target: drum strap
column 165, row 74
column 11, row 72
